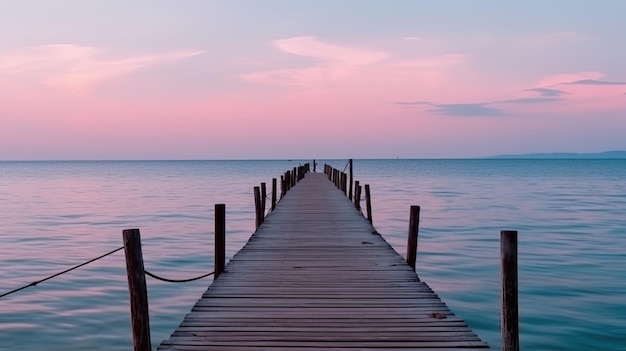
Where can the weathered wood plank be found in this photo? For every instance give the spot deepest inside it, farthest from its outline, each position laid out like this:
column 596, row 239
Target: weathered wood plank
column 316, row 275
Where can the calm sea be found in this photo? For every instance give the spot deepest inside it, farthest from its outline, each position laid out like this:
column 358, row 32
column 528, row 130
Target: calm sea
column 570, row 214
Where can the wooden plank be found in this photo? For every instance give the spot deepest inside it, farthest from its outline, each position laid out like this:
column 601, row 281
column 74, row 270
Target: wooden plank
column 317, row 275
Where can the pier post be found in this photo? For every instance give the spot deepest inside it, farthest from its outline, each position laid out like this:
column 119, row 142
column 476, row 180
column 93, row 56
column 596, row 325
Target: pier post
column 351, row 180
column 140, row 320
column 411, row 247
column 220, row 240
column 257, row 206
column 282, row 186
column 357, row 195
column 368, row 203
column 273, row 193
column 509, row 320
column 287, row 181
column 263, row 198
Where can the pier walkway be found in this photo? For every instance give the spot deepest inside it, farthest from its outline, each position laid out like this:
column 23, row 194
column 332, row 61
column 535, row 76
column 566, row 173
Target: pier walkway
column 316, row 275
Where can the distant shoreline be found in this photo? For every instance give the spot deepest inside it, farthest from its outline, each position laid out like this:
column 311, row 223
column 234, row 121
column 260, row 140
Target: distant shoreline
column 565, row 155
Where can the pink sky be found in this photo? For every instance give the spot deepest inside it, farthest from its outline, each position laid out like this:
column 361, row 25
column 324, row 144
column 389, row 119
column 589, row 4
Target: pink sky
column 204, row 80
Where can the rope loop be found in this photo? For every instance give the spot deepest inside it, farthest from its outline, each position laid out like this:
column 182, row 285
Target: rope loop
column 176, row 280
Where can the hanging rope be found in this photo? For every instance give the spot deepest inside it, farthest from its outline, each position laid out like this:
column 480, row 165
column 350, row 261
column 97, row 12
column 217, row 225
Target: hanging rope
column 177, row 280
column 60, row 273
column 346, row 167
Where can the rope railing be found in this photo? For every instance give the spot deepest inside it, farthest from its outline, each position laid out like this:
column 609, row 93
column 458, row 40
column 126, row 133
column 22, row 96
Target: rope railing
column 35, row 283
column 347, row 164
column 136, row 275
column 61, row 273
column 177, row 280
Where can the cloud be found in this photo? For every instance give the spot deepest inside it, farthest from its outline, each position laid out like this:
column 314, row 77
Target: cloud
column 309, row 46
column 548, row 92
column 344, row 63
column 76, row 68
column 558, row 79
column 486, row 109
column 470, row 110
column 335, row 62
column 546, row 95
column 594, row 82
column 463, row 110
column 528, row 100
column 579, row 78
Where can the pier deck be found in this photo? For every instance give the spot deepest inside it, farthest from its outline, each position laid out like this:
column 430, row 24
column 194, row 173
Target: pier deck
column 316, row 275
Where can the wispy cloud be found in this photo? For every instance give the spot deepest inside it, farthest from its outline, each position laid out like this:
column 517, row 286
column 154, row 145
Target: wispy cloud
column 310, row 46
column 594, row 82
column 76, row 68
column 548, row 92
column 558, row 79
column 528, row 100
column 580, row 78
column 487, row 109
column 469, row 110
column 463, row 110
column 337, row 62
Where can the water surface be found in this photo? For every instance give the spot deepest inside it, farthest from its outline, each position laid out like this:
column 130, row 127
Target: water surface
column 569, row 214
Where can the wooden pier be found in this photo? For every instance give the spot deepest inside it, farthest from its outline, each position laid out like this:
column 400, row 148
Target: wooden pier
column 317, row 275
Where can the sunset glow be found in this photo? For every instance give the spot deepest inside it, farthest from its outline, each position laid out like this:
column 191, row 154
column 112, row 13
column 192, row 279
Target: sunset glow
column 282, row 79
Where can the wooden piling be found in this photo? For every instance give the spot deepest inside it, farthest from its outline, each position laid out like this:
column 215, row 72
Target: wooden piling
column 137, row 289
column 263, row 198
column 220, row 239
column 351, row 180
column 257, row 206
column 368, row 203
column 273, row 193
column 282, row 186
column 356, row 193
column 411, row 248
column 509, row 321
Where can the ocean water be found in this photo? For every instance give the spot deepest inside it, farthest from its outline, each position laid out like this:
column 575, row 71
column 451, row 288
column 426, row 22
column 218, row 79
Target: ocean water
column 570, row 215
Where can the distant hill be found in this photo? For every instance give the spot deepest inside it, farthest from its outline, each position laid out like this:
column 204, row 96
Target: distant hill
column 561, row 155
